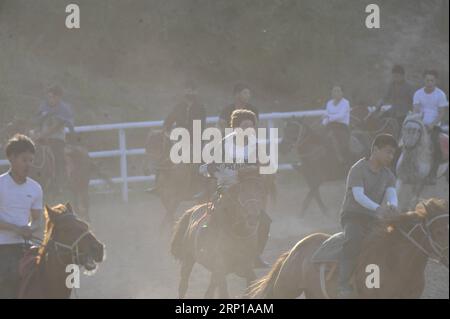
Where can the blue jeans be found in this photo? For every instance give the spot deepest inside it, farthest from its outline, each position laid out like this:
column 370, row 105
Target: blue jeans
column 356, row 230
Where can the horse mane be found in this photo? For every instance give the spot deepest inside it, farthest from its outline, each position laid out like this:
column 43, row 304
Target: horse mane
column 384, row 234
column 49, row 227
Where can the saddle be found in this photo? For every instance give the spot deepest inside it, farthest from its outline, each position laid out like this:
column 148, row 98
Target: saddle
column 330, row 250
column 326, row 257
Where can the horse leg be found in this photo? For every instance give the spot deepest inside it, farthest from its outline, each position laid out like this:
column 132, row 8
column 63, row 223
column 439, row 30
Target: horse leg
column 318, row 198
column 250, row 276
column 84, row 203
column 418, row 189
column 168, row 220
column 186, row 269
column 223, row 287
column 306, row 203
column 209, row 294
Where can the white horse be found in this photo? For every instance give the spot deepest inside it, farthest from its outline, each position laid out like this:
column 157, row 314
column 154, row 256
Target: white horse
column 415, row 161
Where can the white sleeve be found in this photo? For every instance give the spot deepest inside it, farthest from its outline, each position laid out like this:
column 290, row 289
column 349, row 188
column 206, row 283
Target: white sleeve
column 391, row 196
column 38, row 201
column 442, row 100
column 363, row 200
column 416, row 98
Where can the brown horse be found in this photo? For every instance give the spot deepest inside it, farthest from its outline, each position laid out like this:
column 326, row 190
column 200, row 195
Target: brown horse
column 175, row 182
column 223, row 238
column 67, row 240
column 80, row 167
column 400, row 247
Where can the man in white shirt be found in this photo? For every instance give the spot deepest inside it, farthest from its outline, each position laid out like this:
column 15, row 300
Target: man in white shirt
column 431, row 102
column 337, row 121
column 20, row 211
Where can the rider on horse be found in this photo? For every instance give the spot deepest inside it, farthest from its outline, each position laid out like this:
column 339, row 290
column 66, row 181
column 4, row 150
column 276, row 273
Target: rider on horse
column 337, row 121
column 369, row 182
column 399, row 96
column 54, row 115
column 227, row 173
column 20, row 199
column 183, row 116
column 432, row 102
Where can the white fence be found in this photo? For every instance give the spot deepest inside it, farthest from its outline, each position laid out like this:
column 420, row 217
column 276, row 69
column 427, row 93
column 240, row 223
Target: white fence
column 123, row 152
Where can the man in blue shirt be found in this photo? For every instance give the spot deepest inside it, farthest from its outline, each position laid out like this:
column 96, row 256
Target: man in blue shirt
column 54, row 116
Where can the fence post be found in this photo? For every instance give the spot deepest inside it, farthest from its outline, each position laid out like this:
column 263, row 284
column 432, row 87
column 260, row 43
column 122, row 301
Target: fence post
column 123, row 164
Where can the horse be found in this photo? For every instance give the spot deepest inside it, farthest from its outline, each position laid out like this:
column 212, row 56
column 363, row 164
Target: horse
column 67, row 241
column 79, row 169
column 222, row 236
column 415, row 161
column 318, row 160
column 399, row 243
column 370, row 119
column 175, row 182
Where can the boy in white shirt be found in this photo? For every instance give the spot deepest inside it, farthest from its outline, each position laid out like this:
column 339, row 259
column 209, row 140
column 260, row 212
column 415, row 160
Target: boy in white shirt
column 431, row 102
column 20, row 201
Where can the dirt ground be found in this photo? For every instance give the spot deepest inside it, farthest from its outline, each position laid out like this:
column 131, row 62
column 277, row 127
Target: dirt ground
column 138, row 264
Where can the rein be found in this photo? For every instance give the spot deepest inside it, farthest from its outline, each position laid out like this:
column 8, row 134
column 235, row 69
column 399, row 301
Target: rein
column 73, row 248
column 436, row 253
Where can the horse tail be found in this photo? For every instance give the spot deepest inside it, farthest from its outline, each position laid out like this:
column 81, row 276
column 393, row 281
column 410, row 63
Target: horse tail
column 180, row 228
column 263, row 287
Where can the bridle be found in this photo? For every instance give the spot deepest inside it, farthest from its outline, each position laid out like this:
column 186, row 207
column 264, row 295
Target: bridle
column 243, row 205
column 64, row 249
column 421, row 131
column 298, row 140
column 437, row 250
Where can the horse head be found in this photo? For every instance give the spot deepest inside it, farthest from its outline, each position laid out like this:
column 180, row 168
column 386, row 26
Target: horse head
column 244, row 203
column 414, row 132
column 436, row 219
column 426, row 228
column 293, row 134
column 70, row 239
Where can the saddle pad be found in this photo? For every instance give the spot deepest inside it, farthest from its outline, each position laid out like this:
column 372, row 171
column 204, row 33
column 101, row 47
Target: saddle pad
column 330, row 249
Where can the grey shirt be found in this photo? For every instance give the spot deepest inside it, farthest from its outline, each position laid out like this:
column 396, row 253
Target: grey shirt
column 374, row 184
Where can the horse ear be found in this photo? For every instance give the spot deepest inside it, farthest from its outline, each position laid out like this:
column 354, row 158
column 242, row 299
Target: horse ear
column 69, row 207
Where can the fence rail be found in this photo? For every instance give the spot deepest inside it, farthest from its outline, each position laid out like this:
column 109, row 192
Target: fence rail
column 123, row 152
